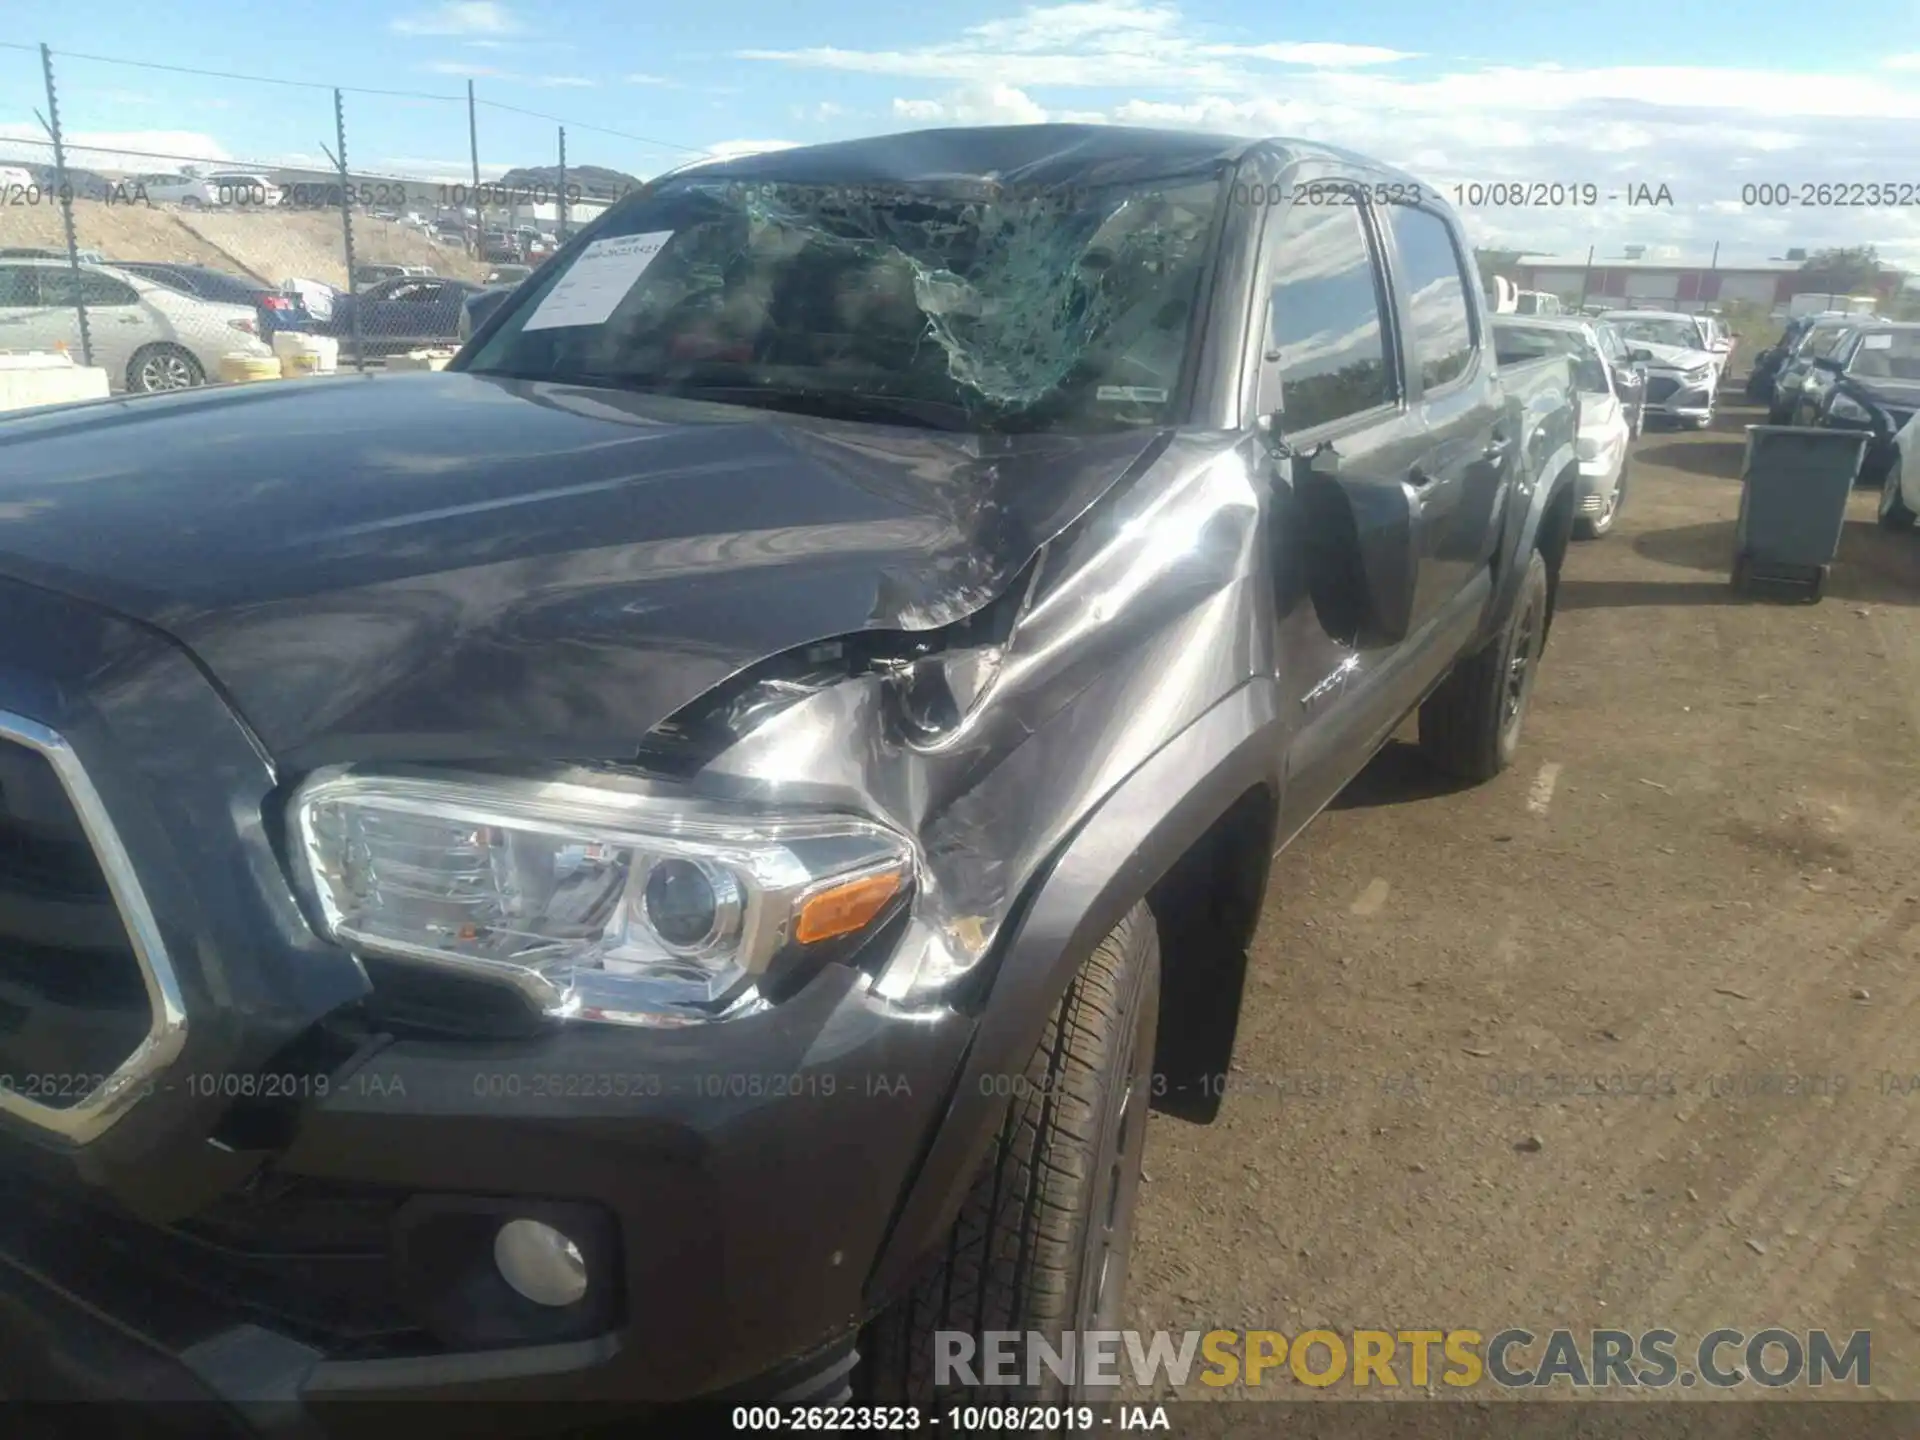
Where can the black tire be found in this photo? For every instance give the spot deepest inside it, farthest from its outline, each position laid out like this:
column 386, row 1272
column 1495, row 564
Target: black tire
column 163, row 366
column 1894, row 514
column 1470, row 726
column 1042, row 1240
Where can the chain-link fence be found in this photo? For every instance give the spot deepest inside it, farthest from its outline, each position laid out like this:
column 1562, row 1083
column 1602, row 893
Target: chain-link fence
column 326, row 245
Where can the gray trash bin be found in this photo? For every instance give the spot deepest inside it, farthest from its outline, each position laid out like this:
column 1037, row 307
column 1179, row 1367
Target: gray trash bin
column 1794, row 489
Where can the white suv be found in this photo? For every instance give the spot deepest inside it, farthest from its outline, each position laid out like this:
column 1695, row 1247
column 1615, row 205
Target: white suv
column 224, row 189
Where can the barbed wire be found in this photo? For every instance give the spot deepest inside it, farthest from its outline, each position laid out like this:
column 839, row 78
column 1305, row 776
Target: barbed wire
column 478, row 100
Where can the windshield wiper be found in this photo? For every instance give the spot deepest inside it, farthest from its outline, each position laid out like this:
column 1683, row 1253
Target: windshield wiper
column 830, row 404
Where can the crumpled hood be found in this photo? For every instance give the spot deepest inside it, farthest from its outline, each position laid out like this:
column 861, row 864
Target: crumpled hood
column 448, row 566
column 1674, row 357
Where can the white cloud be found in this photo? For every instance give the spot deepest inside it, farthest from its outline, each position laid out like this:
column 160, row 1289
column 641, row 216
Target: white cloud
column 134, row 150
column 1090, row 43
column 975, row 105
column 1909, row 61
column 459, row 17
column 641, row 78
column 493, row 72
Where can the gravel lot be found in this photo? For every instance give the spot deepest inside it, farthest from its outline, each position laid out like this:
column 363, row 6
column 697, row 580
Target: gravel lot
column 1465, row 1010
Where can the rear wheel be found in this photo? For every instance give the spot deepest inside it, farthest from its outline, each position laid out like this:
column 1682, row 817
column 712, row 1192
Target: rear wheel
column 1470, row 726
column 1043, row 1239
column 1894, row 514
column 163, row 367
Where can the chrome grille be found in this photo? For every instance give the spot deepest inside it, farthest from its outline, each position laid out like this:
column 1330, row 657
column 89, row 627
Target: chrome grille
column 89, row 1007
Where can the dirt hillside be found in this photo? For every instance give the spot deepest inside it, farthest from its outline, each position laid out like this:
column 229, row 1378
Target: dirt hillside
column 268, row 246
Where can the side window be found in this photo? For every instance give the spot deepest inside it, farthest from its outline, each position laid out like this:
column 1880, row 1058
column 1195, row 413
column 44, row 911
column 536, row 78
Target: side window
column 17, row 290
column 98, row 289
column 1434, row 276
column 56, row 288
column 1325, row 338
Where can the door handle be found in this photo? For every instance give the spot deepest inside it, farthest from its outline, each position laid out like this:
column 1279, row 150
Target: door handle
column 1497, row 447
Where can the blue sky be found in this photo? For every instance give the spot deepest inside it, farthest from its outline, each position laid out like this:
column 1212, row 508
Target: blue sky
column 1699, row 97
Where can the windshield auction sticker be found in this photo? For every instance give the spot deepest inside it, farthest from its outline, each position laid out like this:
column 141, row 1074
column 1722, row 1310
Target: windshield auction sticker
column 598, row 280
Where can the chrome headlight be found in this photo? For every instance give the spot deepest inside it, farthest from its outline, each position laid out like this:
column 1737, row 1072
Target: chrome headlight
column 1845, row 407
column 599, row 896
column 1698, row 374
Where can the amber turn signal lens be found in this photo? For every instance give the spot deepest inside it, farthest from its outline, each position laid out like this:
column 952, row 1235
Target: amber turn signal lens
column 846, row 908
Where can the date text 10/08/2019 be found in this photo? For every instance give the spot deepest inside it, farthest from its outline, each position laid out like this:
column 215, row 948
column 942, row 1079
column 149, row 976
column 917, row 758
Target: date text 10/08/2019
column 955, row 1419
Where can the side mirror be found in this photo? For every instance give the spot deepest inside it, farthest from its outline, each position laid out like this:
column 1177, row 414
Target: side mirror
column 1363, row 552
column 1828, row 364
column 1640, row 354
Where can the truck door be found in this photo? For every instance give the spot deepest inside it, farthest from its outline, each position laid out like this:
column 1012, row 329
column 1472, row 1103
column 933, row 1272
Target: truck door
column 1460, row 469
column 1328, row 378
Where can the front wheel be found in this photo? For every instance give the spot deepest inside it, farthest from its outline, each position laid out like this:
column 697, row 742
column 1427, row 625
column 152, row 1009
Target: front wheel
column 1470, row 726
column 1043, row 1238
column 1894, row 514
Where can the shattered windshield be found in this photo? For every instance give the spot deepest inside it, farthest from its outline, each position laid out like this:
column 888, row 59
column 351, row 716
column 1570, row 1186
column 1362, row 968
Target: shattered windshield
column 1066, row 309
column 1663, row 331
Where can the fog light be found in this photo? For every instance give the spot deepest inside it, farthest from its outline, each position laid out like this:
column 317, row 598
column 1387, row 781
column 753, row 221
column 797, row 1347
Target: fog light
column 540, row 1263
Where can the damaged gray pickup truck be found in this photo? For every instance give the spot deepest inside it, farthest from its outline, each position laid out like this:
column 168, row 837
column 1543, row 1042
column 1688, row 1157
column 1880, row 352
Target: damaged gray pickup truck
column 670, row 861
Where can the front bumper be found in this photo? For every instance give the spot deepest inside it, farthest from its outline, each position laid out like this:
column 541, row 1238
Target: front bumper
column 298, row 1211
column 1671, row 399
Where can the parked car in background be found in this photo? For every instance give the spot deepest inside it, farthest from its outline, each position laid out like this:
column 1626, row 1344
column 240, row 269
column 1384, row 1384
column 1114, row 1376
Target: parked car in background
column 1609, row 386
column 1536, row 302
column 145, row 335
column 276, row 309
column 502, row 245
column 1900, row 491
column 1870, row 382
column 407, row 312
column 1682, row 377
column 508, row 275
column 222, row 189
column 709, row 688
column 47, row 252
column 1767, row 363
column 1818, row 303
column 1719, row 339
column 475, row 309
column 1629, row 375
column 1820, row 339
column 366, row 275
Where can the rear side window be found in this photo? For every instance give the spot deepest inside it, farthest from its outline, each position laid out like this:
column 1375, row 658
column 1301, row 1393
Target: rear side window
column 17, row 288
column 56, row 288
column 1324, row 330
column 1434, row 274
column 227, row 289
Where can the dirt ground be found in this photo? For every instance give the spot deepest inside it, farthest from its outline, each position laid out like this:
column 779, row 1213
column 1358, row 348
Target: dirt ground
column 1699, row 887
column 270, row 246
